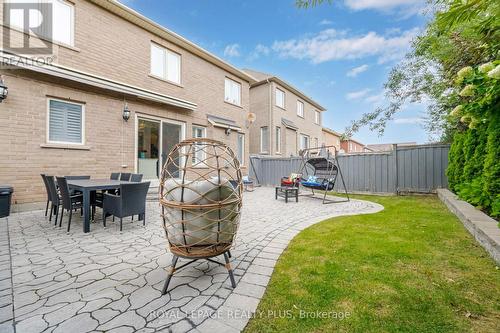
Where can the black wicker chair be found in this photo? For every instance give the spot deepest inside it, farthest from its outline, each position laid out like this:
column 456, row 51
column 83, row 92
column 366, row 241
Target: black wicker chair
column 55, row 200
column 131, row 201
column 136, row 177
column 125, row 176
column 48, row 193
column 69, row 201
column 115, row 176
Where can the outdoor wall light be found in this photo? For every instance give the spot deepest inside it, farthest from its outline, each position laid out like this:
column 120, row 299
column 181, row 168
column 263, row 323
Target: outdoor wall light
column 228, row 131
column 4, row 91
column 126, row 113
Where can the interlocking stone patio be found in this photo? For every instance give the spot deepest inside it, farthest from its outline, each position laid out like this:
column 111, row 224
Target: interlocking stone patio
column 111, row 281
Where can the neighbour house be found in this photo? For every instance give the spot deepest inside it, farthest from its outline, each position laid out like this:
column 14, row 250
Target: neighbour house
column 331, row 138
column 120, row 92
column 286, row 119
column 351, row 146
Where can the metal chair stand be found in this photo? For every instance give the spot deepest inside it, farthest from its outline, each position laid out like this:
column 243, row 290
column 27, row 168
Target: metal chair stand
column 176, row 257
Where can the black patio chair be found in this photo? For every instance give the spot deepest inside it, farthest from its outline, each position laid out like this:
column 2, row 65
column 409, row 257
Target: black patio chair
column 115, row 176
column 69, row 202
column 55, row 200
column 125, row 176
column 48, row 192
column 131, row 201
column 136, row 177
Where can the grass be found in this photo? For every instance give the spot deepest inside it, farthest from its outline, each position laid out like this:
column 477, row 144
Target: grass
column 410, row 268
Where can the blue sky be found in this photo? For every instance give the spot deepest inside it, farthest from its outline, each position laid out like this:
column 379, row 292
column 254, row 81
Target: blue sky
column 338, row 54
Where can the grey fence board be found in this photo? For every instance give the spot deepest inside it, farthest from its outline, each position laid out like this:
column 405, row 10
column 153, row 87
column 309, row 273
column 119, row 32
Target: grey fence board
column 419, row 168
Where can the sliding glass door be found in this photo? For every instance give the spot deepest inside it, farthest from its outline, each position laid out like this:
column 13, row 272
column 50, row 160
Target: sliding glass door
column 155, row 140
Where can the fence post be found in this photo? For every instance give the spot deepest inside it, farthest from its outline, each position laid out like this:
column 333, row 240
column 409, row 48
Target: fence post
column 396, row 170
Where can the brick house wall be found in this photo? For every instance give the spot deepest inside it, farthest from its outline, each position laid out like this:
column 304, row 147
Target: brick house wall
column 114, row 48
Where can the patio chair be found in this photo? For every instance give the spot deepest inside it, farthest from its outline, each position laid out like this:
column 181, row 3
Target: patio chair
column 115, row 176
column 55, row 200
column 125, row 176
column 130, row 201
column 136, row 177
column 69, row 202
column 48, row 193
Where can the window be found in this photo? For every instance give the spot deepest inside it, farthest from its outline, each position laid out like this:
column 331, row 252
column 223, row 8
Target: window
column 316, row 143
column 304, row 141
column 165, row 64
column 317, row 117
column 264, row 139
column 232, row 91
column 199, row 152
column 300, row 109
column 66, row 122
column 240, row 153
column 63, row 22
column 280, row 98
column 278, row 139
column 350, row 146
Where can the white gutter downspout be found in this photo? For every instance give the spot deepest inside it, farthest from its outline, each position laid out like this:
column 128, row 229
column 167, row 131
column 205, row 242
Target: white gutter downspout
column 270, row 117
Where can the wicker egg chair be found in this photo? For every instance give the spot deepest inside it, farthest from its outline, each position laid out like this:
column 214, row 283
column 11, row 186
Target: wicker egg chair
column 201, row 197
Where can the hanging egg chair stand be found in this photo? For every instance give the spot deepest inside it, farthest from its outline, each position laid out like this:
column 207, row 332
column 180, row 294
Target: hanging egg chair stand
column 201, row 197
column 324, row 169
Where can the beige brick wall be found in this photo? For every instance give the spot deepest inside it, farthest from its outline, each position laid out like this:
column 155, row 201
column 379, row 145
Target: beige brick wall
column 111, row 47
column 260, row 103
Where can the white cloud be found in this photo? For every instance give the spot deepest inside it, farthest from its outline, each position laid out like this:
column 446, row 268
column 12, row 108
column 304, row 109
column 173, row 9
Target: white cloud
column 357, row 94
column 331, row 44
column 380, row 4
column 353, row 72
column 325, row 22
column 376, row 99
column 232, row 50
column 410, row 121
column 260, row 50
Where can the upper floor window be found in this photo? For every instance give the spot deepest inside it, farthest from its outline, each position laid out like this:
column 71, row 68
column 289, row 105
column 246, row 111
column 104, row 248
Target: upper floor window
column 232, row 91
column 317, row 117
column 199, row 151
column 165, row 64
column 300, row 109
column 63, row 21
column 240, row 152
column 280, row 98
column 65, row 122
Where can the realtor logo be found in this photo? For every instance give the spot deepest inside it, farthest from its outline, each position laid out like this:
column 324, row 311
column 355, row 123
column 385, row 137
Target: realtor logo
column 23, row 23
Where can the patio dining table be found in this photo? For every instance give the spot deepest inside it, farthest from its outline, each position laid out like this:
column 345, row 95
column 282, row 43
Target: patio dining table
column 88, row 185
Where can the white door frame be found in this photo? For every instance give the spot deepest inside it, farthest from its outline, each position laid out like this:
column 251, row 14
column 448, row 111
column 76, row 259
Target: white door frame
column 159, row 120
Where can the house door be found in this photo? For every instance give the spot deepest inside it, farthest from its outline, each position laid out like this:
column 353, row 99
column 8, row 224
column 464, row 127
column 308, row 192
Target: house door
column 291, row 142
column 155, row 140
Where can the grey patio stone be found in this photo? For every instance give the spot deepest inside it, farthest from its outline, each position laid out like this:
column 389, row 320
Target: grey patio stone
column 111, row 281
column 248, row 289
column 80, row 323
column 7, row 327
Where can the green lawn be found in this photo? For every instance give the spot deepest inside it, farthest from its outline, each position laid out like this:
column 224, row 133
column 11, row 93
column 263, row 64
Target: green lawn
column 410, row 268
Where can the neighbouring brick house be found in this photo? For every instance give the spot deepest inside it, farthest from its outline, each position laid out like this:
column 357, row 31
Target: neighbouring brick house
column 65, row 118
column 286, row 119
column 331, row 138
column 351, row 146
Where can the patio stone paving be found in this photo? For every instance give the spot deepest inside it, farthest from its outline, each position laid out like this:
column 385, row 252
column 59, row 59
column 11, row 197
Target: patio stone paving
column 111, row 281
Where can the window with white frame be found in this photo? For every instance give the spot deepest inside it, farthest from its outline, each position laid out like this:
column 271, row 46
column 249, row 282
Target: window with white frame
column 317, row 117
column 300, row 109
column 165, row 64
column 278, row 139
column 304, row 141
column 199, row 153
column 280, row 98
column 232, row 91
column 240, row 152
column 316, row 143
column 65, row 122
column 63, row 20
column 264, row 139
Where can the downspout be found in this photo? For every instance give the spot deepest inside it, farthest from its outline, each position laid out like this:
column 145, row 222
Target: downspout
column 270, row 116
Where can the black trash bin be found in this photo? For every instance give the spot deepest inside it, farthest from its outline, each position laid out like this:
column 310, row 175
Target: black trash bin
column 5, row 197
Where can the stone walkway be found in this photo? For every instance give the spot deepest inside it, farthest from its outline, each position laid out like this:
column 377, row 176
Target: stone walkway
column 110, row 282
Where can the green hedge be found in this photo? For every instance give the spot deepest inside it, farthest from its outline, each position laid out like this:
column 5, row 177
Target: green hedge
column 474, row 158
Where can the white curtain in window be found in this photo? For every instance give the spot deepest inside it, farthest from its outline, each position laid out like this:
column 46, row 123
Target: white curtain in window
column 157, row 61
